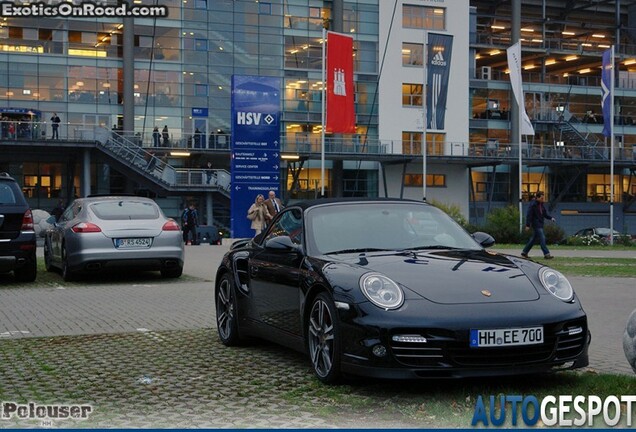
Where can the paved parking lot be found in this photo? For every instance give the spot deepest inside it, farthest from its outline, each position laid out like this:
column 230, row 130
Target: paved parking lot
column 145, row 353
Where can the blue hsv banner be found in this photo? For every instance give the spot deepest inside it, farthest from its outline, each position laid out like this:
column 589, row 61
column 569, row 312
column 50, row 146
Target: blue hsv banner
column 606, row 96
column 255, row 161
column 440, row 49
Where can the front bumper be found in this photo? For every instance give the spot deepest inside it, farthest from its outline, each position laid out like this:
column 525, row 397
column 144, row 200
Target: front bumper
column 369, row 349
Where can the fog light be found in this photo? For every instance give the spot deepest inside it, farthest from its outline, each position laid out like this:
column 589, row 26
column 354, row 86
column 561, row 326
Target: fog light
column 379, row 350
column 409, row 338
column 574, row 331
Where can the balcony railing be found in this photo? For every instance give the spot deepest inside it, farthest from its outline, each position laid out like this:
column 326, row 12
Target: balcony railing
column 309, row 145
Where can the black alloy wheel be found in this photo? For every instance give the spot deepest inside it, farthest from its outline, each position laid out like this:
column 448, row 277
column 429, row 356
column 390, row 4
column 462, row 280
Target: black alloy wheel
column 226, row 319
column 323, row 337
column 48, row 258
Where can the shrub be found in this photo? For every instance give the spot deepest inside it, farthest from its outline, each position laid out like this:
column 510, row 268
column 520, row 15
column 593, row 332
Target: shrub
column 554, row 234
column 452, row 210
column 503, row 224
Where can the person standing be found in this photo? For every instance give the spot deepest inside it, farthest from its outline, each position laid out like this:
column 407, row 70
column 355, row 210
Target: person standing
column 209, row 172
column 190, row 222
column 58, row 210
column 258, row 214
column 166, row 136
column 55, row 124
column 535, row 218
column 273, row 204
column 155, row 137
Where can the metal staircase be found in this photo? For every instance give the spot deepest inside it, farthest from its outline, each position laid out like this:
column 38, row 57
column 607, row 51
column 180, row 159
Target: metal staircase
column 589, row 145
column 136, row 158
column 154, row 169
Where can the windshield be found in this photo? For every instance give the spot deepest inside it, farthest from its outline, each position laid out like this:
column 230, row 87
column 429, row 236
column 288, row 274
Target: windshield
column 373, row 226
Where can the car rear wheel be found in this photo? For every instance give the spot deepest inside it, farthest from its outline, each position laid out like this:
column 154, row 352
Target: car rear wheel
column 172, row 272
column 226, row 319
column 67, row 274
column 48, row 259
column 323, row 337
column 28, row 272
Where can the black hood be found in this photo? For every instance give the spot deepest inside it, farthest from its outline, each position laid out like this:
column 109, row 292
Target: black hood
column 452, row 276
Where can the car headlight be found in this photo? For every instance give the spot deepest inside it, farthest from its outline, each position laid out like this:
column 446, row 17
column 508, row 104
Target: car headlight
column 381, row 291
column 556, row 284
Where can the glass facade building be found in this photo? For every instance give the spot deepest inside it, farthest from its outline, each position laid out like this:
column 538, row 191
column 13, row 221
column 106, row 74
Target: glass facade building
column 183, row 64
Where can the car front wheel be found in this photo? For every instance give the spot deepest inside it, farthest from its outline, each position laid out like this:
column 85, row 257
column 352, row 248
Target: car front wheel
column 323, row 337
column 48, row 259
column 226, row 319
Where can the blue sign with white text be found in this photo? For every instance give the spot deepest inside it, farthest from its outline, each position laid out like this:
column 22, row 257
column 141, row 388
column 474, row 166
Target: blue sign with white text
column 255, row 146
column 199, row 112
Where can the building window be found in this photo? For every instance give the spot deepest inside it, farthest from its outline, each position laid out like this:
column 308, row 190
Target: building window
column 264, row 8
column 412, row 143
column 423, row 17
column 412, row 94
column 412, row 54
column 201, row 44
column 432, row 180
column 200, row 89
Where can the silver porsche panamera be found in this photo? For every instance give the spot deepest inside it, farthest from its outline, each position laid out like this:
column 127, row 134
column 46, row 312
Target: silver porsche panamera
column 100, row 233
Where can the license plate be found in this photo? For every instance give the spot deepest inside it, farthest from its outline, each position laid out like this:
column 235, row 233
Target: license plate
column 506, row 337
column 127, row 243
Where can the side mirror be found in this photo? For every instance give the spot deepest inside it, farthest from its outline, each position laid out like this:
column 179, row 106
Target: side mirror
column 281, row 243
column 486, row 240
column 51, row 220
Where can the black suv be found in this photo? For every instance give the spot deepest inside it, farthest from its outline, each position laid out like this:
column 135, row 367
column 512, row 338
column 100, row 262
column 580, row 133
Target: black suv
column 17, row 236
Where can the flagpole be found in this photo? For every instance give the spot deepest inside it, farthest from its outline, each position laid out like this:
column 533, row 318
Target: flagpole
column 322, row 107
column 425, row 114
column 520, row 175
column 611, row 128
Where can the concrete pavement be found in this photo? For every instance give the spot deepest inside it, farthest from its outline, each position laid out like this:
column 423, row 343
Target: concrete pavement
column 143, row 352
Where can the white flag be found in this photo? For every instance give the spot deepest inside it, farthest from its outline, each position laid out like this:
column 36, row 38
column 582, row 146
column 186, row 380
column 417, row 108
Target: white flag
column 514, row 64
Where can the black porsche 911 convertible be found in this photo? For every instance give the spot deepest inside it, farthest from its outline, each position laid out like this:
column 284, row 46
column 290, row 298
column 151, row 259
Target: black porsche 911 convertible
column 396, row 289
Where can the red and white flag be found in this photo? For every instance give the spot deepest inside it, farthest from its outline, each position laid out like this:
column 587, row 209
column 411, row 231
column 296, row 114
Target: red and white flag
column 341, row 117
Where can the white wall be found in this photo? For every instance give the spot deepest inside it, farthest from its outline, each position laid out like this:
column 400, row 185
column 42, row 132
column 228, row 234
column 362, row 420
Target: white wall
column 394, row 119
column 455, row 192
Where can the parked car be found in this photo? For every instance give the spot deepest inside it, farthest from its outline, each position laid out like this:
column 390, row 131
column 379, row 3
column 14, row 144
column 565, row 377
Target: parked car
column 396, row 289
column 603, row 234
column 208, row 234
column 100, row 233
column 17, row 236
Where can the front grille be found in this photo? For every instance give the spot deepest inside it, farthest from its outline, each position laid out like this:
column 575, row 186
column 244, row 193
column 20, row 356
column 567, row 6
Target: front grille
column 450, row 349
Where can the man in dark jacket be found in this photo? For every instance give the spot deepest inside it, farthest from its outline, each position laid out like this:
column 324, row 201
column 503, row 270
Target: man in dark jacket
column 535, row 218
column 190, row 222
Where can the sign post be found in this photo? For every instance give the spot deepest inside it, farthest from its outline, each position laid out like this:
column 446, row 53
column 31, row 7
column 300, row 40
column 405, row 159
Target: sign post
column 255, row 161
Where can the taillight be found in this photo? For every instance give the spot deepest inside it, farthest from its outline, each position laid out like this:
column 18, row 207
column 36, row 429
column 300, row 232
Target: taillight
column 86, row 227
column 27, row 221
column 171, row 225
